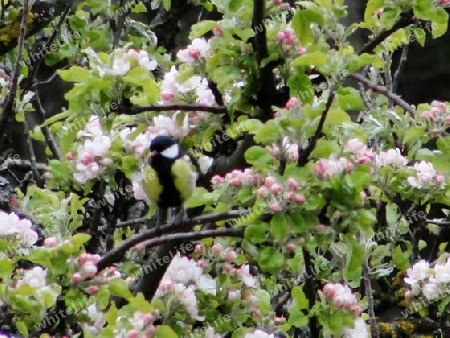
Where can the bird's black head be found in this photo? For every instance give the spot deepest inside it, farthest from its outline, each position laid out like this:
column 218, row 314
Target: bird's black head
column 161, row 143
column 165, row 146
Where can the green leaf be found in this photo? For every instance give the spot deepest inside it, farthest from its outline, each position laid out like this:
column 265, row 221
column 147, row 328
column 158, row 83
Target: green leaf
column 270, row 260
column 119, row 287
column 268, row 133
column 424, row 9
column 299, row 296
column 401, row 258
column 263, row 301
column 257, row 154
column 167, row 4
column 235, row 5
column 112, row 314
column 75, row 74
column 6, row 268
column 371, row 7
column 311, row 59
column 355, row 254
column 165, row 331
column 256, row 233
column 201, row 28
column 79, row 239
column 420, row 35
column 279, row 226
column 201, row 196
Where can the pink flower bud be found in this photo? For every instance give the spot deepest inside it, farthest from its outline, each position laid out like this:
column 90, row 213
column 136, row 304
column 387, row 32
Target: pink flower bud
column 69, row 156
column 288, row 195
column 356, row 309
column 217, row 249
column 263, row 192
column 329, row 290
column 276, row 189
column 51, row 242
column 277, row 2
column 235, row 182
column 93, row 289
column 269, row 181
column 439, row 179
column 76, row 278
column 292, row 184
column 280, row 37
column 202, row 263
column 216, row 179
column 199, row 249
column 148, row 318
column 132, row 334
column 234, row 295
column 276, row 206
column 299, row 199
column 167, row 96
column 217, row 30
column 230, row 256
column 292, row 102
column 89, row 270
column 290, row 247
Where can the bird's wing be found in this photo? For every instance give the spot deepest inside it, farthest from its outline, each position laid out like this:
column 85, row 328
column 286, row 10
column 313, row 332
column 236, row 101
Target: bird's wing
column 184, row 178
column 151, row 185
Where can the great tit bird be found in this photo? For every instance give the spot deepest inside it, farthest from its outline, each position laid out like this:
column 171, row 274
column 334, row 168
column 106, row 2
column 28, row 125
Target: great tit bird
column 168, row 179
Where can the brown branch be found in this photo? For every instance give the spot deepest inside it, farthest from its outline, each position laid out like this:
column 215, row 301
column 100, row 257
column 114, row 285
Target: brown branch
column 404, row 21
column 117, row 254
column 26, row 131
column 303, row 154
column 192, row 236
column 51, row 142
column 138, row 110
column 401, row 65
column 384, row 91
column 41, row 14
column 375, row 333
column 8, row 106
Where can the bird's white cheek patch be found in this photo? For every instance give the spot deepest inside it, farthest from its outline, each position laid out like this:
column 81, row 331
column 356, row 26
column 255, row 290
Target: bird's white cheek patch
column 171, row 152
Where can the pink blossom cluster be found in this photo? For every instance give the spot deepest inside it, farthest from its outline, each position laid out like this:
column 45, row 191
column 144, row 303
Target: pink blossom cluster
column 360, row 153
column 287, row 150
column 431, row 282
column 122, row 65
column 390, row 157
column 426, row 177
column 86, row 264
column 90, row 158
column 168, row 126
column 182, row 278
column 272, row 188
column 287, row 39
column 199, row 48
column 437, row 113
column 36, row 278
column 140, row 143
column 327, row 168
column 342, row 296
column 238, row 178
column 142, row 325
column 443, row 3
column 193, row 89
column 12, row 228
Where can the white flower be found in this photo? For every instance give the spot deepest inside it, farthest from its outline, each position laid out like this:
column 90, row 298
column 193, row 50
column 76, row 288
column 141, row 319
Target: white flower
column 259, row 334
column 247, row 278
column 120, row 67
column 426, row 176
column 391, row 157
column 35, row 277
column 418, row 272
column 197, row 49
column 93, row 128
column 430, row 290
column 164, row 125
column 359, row 331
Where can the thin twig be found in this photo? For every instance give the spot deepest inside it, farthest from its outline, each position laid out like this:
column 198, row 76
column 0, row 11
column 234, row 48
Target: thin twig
column 117, row 254
column 120, row 23
column 404, row 21
column 388, row 78
column 304, row 153
column 21, row 164
column 45, row 129
column 375, row 333
column 192, row 236
column 382, row 90
column 34, row 169
column 401, row 65
column 173, row 107
column 8, row 107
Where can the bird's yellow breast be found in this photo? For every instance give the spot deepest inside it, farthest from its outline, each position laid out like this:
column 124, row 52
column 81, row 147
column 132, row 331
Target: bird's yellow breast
column 184, row 178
